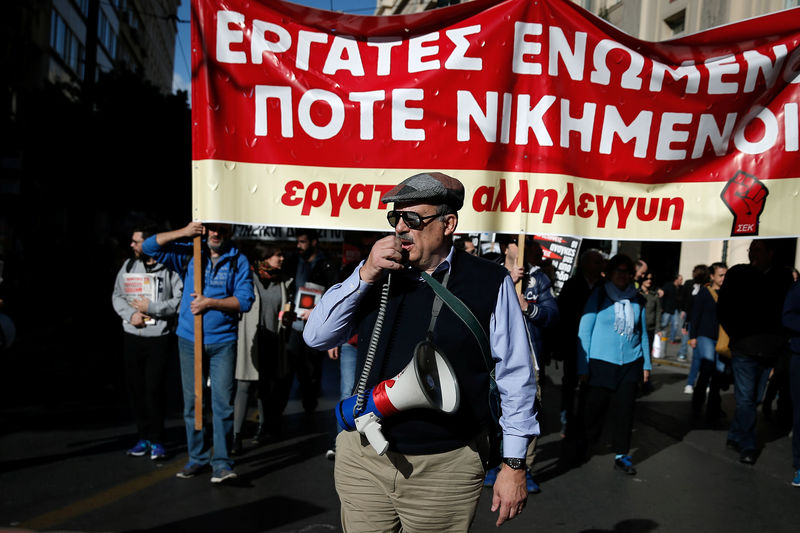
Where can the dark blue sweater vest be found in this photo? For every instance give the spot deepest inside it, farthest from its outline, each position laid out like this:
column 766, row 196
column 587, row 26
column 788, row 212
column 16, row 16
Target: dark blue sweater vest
column 425, row 431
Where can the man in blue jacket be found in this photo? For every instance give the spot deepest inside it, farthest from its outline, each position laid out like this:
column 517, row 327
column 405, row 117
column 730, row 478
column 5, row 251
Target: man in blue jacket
column 227, row 292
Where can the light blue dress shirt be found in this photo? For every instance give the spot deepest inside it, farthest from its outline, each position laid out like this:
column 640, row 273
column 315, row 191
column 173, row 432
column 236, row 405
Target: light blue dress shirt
column 330, row 325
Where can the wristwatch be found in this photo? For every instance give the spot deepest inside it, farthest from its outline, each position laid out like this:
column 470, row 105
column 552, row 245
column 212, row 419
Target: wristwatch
column 515, row 463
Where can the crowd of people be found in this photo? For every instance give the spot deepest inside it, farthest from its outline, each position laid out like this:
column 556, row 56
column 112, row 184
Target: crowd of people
column 267, row 319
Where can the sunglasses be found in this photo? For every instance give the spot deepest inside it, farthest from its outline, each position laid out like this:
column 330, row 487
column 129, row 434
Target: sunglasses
column 412, row 220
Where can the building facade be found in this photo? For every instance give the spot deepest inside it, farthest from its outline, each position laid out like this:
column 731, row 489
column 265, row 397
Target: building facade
column 86, row 37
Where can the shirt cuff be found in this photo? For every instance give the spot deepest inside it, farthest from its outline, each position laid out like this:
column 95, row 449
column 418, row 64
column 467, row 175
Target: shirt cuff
column 515, row 446
column 354, row 283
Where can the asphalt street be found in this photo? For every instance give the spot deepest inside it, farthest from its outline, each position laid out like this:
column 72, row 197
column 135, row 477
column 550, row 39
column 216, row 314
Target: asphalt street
column 63, row 468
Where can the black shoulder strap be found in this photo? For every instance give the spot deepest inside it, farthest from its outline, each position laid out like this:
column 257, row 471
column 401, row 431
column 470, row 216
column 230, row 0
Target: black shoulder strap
column 465, row 314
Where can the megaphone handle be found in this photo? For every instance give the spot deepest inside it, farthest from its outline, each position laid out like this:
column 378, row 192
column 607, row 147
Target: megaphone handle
column 369, row 426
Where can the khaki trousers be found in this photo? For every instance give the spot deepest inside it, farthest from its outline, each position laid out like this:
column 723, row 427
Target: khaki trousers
column 434, row 493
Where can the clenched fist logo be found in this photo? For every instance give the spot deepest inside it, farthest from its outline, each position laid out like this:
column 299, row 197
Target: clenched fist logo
column 745, row 196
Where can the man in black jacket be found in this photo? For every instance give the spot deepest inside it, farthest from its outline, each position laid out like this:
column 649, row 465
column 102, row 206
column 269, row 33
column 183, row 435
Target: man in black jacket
column 749, row 307
column 312, row 271
column 571, row 301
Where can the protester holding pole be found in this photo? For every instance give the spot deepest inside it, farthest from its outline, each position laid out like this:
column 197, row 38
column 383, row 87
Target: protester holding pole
column 227, row 291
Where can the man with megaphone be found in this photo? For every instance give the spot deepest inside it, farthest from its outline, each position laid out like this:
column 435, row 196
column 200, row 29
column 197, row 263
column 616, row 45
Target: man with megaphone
column 438, row 330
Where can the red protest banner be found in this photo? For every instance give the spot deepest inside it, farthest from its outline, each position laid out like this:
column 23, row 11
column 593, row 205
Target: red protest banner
column 555, row 121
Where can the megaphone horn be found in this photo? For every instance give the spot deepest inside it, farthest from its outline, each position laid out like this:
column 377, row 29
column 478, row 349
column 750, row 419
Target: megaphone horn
column 428, row 381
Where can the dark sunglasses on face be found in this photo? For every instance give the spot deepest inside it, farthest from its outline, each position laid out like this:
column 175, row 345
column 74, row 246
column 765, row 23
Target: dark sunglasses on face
column 218, row 228
column 413, row 220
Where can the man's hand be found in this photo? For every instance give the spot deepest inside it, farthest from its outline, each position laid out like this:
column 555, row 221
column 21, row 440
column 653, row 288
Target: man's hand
column 386, row 254
column 287, row 317
column 510, row 493
column 333, row 353
column 693, row 343
column 646, row 377
column 193, row 229
column 137, row 319
column 512, row 253
column 141, row 304
column 200, row 304
column 516, row 272
column 523, row 303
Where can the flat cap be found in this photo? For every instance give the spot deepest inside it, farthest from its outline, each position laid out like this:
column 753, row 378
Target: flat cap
column 428, row 187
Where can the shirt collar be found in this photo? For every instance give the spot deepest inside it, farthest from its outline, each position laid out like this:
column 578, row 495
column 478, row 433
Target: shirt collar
column 444, row 265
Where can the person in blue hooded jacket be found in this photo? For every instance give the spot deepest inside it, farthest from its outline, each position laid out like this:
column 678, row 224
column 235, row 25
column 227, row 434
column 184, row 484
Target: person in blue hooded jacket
column 613, row 356
column 227, row 292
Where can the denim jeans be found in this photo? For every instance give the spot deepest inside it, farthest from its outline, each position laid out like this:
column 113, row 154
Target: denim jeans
column 666, row 323
column 706, row 350
column 709, row 374
column 671, row 324
column 749, row 381
column 219, row 361
column 683, row 350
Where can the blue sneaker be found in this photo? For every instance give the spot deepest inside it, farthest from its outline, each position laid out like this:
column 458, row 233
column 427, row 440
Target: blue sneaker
column 141, row 448
column 796, row 480
column 491, row 477
column 190, row 470
column 222, row 475
column 625, row 464
column 157, row 452
column 533, row 487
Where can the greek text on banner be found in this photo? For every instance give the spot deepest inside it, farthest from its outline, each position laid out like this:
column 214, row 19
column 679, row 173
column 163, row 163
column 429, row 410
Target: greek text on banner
column 555, row 121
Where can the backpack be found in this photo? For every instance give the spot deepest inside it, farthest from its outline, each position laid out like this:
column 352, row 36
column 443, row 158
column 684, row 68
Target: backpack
column 723, row 341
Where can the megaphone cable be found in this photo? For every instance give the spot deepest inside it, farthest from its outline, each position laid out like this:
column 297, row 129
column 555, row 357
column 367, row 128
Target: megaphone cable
column 361, row 391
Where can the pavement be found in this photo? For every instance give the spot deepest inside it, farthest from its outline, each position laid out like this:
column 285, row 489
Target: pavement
column 63, row 468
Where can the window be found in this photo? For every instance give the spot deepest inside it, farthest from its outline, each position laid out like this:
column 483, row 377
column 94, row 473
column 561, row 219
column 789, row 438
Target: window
column 66, row 44
column 83, row 7
column 677, row 22
column 57, row 33
column 106, row 34
column 75, row 55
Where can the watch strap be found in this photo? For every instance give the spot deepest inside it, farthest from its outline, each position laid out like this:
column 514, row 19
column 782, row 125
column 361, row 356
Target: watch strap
column 514, row 463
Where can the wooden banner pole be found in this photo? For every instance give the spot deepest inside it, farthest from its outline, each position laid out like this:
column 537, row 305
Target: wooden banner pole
column 198, row 338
